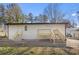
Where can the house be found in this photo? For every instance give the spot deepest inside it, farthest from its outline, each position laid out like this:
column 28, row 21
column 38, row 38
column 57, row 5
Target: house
column 36, row 31
column 70, row 32
column 73, row 32
column 76, row 33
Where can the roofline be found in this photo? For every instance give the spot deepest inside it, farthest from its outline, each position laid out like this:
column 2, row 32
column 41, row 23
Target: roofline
column 31, row 23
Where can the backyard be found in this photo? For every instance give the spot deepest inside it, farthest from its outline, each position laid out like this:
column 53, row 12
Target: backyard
column 9, row 47
column 22, row 30
column 32, row 43
column 38, row 51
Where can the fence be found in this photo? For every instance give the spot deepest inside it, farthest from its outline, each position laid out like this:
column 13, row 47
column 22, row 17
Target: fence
column 72, row 43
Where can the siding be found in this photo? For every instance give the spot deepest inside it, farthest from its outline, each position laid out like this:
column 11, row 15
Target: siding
column 31, row 32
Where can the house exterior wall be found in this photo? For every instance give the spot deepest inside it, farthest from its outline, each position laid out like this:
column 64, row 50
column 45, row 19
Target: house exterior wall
column 31, row 32
column 76, row 34
column 72, row 32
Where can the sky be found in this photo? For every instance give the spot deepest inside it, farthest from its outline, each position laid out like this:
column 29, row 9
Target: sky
column 35, row 8
column 69, row 9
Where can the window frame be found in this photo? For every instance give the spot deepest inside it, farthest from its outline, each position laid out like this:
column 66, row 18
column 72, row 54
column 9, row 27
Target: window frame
column 25, row 27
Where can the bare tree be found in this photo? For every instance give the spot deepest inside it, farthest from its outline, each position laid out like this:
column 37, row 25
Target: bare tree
column 77, row 14
column 40, row 18
column 30, row 17
column 2, row 13
column 45, row 18
column 53, row 13
column 73, row 23
column 48, row 11
column 14, row 13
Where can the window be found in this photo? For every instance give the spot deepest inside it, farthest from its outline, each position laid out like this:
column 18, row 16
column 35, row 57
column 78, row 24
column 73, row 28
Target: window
column 25, row 27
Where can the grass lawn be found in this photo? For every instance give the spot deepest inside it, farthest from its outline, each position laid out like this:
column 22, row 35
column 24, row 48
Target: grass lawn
column 38, row 51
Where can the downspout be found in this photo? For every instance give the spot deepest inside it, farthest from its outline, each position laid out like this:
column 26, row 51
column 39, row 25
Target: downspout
column 8, row 31
column 65, row 32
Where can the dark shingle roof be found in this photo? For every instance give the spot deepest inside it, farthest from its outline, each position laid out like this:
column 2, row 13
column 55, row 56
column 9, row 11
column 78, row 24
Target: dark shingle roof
column 31, row 23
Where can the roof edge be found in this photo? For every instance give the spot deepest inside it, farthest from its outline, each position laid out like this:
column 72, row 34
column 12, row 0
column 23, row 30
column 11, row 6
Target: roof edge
column 32, row 23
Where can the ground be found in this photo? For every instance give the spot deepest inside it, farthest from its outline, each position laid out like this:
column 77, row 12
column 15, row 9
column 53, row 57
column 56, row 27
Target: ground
column 9, row 47
column 31, row 43
column 38, row 51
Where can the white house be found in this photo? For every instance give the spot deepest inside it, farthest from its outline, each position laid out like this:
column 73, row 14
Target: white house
column 35, row 30
column 74, row 32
